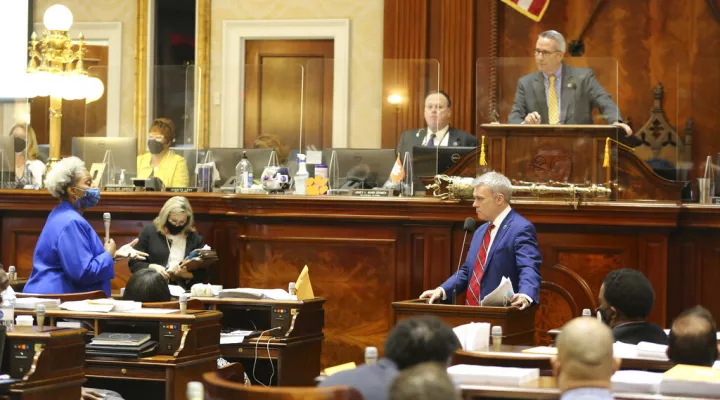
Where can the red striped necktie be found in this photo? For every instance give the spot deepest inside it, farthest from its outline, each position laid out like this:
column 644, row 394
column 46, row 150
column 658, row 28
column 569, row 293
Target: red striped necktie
column 473, row 291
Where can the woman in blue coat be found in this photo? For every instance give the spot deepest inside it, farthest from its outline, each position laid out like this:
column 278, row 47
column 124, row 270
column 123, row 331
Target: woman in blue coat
column 69, row 256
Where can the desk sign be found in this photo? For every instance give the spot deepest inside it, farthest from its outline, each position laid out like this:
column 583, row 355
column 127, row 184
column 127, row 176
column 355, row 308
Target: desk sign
column 182, row 189
column 119, row 188
column 371, row 192
column 715, row 200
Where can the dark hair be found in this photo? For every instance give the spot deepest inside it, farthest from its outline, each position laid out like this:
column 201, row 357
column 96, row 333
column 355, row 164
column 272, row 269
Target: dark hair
column 417, row 340
column 442, row 93
column 147, row 285
column 693, row 339
column 630, row 292
column 164, row 126
column 426, row 381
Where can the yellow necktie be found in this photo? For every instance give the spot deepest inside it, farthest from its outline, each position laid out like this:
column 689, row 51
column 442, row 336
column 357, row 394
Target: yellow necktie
column 553, row 113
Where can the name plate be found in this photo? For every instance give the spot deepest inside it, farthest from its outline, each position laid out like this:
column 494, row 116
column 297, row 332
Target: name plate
column 119, row 188
column 182, row 189
column 715, row 200
column 371, row 192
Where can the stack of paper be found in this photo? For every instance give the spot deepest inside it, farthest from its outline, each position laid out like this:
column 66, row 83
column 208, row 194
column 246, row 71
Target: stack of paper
column 464, row 374
column 474, row 336
column 500, row 297
column 257, row 294
column 636, row 381
column 544, row 350
column 31, row 303
column 690, row 380
column 101, row 305
column 652, row 350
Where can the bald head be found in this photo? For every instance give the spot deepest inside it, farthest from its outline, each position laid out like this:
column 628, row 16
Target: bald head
column 585, row 351
column 692, row 338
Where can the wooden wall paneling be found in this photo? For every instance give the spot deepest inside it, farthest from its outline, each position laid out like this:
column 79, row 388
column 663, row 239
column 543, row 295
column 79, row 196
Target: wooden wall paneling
column 488, row 46
column 653, row 252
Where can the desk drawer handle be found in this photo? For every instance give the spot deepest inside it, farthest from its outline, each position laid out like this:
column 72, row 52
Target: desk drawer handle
column 123, row 371
column 240, row 350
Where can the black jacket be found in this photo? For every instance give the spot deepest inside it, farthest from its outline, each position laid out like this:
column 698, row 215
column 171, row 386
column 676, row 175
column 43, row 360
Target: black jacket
column 636, row 332
column 155, row 244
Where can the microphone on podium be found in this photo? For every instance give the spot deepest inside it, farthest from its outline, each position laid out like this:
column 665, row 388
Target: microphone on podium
column 468, row 226
column 106, row 219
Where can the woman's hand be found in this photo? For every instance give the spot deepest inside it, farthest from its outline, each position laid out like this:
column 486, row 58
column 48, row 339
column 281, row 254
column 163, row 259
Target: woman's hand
column 110, row 247
column 127, row 251
column 180, row 272
column 159, row 269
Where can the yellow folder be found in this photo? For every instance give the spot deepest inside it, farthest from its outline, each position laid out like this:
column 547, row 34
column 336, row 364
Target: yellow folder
column 303, row 287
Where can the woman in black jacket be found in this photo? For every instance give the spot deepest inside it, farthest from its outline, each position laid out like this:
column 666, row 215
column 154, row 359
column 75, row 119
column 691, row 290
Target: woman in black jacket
column 168, row 240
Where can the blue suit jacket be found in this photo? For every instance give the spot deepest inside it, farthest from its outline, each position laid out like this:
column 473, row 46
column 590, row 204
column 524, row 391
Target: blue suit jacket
column 69, row 256
column 514, row 254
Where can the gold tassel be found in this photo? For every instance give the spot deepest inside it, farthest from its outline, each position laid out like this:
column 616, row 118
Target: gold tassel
column 606, row 159
column 483, row 162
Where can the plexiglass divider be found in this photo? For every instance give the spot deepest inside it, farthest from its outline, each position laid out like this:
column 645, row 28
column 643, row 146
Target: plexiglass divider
column 21, row 165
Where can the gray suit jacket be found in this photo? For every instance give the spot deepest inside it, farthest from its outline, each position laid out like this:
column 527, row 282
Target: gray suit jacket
column 415, row 137
column 580, row 93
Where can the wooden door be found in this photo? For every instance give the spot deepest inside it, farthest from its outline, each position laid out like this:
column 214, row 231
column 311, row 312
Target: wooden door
column 78, row 118
column 278, row 73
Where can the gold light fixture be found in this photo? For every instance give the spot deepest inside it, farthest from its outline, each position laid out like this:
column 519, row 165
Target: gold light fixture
column 58, row 71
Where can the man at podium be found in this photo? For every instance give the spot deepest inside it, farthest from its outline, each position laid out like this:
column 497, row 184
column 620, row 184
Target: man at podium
column 505, row 246
column 559, row 93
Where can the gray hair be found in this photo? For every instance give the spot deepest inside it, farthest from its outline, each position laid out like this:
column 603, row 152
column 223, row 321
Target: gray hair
column 496, row 183
column 557, row 37
column 63, row 174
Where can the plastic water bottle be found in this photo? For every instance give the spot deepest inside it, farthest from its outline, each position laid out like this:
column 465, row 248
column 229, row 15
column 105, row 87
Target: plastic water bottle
column 496, row 333
column 243, row 174
column 12, row 274
column 122, row 180
column 195, row 391
column 8, row 314
column 301, row 176
column 371, row 355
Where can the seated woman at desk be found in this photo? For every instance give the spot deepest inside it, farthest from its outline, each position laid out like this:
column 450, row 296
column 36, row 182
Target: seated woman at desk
column 28, row 169
column 147, row 285
column 69, row 256
column 168, row 240
column 161, row 162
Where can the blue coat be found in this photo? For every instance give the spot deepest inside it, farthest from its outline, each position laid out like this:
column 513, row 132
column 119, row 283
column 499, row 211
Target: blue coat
column 514, row 254
column 69, row 256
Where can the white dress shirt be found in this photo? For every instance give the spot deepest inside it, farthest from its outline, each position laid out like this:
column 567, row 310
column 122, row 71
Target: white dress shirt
column 441, row 136
column 177, row 249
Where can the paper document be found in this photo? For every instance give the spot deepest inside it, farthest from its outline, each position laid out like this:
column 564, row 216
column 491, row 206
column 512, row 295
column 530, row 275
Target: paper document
column 464, row 374
column 474, row 336
column 30, row 303
column 500, row 297
column 231, row 339
column 176, row 290
column 258, row 294
column 636, row 381
column 84, row 306
column 545, row 350
column 155, row 311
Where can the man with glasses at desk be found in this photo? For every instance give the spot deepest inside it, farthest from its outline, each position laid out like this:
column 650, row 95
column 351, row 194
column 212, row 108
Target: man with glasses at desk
column 559, row 93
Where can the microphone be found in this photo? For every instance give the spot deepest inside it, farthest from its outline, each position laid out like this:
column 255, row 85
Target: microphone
column 106, row 219
column 468, row 226
column 417, row 134
column 40, row 315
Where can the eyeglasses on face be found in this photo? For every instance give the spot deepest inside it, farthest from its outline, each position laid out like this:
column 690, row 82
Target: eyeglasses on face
column 544, row 53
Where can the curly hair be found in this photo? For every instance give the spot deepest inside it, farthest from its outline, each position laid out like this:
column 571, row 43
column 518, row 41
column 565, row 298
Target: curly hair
column 630, row 292
column 63, row 174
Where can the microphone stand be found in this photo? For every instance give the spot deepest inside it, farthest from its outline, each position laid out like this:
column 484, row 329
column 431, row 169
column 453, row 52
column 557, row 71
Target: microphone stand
column 457, row 270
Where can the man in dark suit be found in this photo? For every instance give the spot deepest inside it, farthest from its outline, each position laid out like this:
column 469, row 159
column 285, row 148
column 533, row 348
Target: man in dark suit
column 626, row 299
column 505, row 246
column 559, row 93
column 438, row 131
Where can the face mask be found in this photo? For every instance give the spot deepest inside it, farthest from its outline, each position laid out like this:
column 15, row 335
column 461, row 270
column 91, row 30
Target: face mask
column 174, row 230
column 155, row 146
column 90, row 198
column 19, row 145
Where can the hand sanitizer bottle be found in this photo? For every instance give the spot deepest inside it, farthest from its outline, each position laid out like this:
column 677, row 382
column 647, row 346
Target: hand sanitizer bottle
column 301, row 176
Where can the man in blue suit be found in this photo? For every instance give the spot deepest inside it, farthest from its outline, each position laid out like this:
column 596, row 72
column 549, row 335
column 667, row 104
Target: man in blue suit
column 505, row 246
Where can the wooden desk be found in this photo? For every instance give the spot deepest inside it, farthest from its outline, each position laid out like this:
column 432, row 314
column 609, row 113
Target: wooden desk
column 512, row 356
column 543, row 388
column 49, row 364
column 291, row 357
column 188, row 347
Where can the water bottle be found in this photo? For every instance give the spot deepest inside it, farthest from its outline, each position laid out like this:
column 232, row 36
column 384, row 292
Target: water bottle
column 371, row 355
column 12, row 275
column 7, row 310
column 122, row 180
column 183, row 302
column 243, row 174
column 301, row 176
column 496, row 333
column 195, row 391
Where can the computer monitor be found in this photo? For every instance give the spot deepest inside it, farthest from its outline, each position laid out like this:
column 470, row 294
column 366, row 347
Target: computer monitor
column 191, row 159
column 92, row 150
column 430, row 161
column 226, row 159
column 373, row 166
column 44, row 152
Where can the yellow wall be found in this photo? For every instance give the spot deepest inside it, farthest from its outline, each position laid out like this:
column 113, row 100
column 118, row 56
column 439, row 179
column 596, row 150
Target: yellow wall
column 366, row 54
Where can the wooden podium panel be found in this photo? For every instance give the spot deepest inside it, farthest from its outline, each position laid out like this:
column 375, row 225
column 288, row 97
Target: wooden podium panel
column 518, row 326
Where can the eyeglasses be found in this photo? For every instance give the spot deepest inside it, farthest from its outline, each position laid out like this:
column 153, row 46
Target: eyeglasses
column 438, row 107
column 544, row 53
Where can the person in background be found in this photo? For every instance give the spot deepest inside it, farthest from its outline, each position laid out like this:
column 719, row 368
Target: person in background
column 270, row 141
column 161, row 162
column 584, row 363
column 626, row 299
column 29, row 170
column 147, row 285
column 168, row 240
column 412, row 341
column 69, row 256
column 426, row 381
column 693, row 338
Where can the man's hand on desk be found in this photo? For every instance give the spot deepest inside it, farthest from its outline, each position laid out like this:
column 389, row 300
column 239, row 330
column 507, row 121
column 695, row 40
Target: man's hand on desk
column 625, row 127
column 432, row 295
column 519, row 300
column 532, row 118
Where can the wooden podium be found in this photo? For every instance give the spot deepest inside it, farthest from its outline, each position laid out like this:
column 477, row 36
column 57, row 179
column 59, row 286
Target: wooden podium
column 518, row 326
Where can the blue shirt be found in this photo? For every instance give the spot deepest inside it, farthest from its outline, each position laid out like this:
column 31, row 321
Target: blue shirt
column 372, row 381
column 69, row 256
column 558, row 90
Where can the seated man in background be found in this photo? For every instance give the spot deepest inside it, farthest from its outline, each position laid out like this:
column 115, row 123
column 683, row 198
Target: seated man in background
column 693, row 338
column 426, row 381
column 411, row 342
column 626, row 299
column 584, row 363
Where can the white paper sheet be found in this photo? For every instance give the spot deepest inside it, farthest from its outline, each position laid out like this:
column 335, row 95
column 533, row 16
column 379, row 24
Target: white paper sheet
column 500, row 297
column 84, row 306
column 155, row 311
